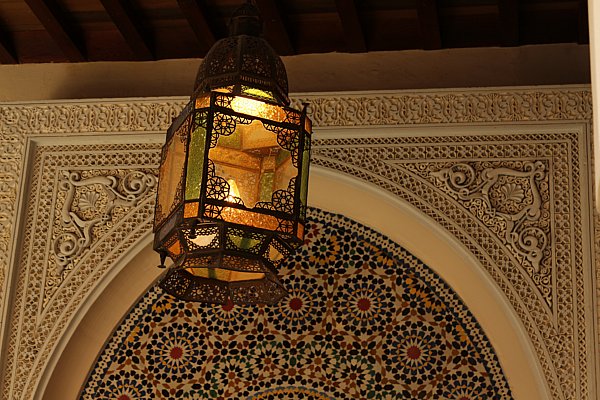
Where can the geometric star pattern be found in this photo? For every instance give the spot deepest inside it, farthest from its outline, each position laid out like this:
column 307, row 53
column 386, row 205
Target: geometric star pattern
column 364, row 319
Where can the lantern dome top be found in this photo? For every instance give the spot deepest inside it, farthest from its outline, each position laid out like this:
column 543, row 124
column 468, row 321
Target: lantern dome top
column 243, row 60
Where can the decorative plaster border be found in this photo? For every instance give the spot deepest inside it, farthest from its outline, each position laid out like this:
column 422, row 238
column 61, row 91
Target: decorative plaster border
column 22, row 124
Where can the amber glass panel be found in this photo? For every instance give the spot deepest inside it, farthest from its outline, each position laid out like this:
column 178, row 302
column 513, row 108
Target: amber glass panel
column 274, row 254
column 308, row 125
column 300, row 232
column 252, row 158
column 225, row 275
column 224, row 89
column 249, row 218
column 175, row 248
column 203, row 101
column 191, row 210
column 257, row 108
column 171, row 173
column 195, row 165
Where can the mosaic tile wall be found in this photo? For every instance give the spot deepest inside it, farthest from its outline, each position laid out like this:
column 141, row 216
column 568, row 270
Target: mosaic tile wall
column 364, row 320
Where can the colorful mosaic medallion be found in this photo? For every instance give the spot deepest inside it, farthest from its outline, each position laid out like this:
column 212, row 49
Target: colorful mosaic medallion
column 364, row 319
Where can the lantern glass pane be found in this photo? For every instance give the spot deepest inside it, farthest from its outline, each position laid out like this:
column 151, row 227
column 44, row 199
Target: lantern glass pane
column 274, row 254
column 175, row 249
column 229, row 269
column 191, row 210
column 195, row 165
column 226, row 275
column 203, row 101
column 250, row 218
column 245, row 243
column 305, row 166
column 171, row 173
column 204, row 240
column 249, row 157
column 261, row 94
column 258, row 108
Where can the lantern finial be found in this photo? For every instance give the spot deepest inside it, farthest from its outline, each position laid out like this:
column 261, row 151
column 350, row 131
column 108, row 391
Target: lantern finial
column 245, row 21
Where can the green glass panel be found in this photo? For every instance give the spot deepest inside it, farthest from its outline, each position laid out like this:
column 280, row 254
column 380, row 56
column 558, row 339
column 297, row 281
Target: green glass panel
column 233, row 141
column 195, row 164
column 250, row 91
column 305, row 165
column 266, row 186
column 284, row 170
column 244, row 243
column 282, row 156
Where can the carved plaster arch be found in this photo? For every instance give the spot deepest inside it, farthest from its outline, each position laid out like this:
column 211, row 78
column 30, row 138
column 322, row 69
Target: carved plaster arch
column 329, row 190
column 491, row 130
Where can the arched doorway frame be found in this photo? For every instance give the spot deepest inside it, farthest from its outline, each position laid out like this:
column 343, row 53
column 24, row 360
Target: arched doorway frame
column 335, row 192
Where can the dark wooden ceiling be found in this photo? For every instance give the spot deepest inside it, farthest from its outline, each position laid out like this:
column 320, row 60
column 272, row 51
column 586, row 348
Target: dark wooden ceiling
column 34, row 31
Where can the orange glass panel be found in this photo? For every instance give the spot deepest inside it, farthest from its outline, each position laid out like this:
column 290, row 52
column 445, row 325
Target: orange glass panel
column 308, row 125
column 249, row 218
column 175, row 248
column 257, row 108
column 171, row 173
column 300, row 233
column 203, row 101
column 235, row 158
column 225, row 275
column 274, row 254
column 191, row 210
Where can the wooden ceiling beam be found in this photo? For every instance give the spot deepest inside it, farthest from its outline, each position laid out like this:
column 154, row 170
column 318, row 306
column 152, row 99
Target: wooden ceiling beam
column 274, row 23
column 195, row 13
column 509, row 22
column 429, row 24
column 353, row 31
column 583, row 23
column 7, row 53
column 54, row 22
column 129, row 28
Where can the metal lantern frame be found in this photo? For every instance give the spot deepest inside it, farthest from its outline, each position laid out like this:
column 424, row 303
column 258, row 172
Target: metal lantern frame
column 245, row 240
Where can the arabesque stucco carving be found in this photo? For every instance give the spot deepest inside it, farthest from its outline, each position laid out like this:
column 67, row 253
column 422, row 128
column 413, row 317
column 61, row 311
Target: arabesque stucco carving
column 529, row 184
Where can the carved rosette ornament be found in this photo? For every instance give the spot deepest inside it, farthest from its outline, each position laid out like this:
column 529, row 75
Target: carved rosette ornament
column 91, row 203
column 512, row 202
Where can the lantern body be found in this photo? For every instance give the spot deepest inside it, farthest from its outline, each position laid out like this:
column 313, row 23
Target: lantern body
column 231, row 200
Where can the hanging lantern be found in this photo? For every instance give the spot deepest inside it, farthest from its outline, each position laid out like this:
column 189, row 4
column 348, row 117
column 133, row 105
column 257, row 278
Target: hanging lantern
column 233, row 179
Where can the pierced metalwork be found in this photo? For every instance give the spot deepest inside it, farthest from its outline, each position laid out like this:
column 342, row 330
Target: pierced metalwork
column 244, row 60
column 198, row 238
column 223, row 124
column 223, row 101
column 242, row 240
column 217, row 188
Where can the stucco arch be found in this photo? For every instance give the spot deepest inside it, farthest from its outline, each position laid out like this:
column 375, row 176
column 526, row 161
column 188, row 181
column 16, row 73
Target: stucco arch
column 76, row 352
